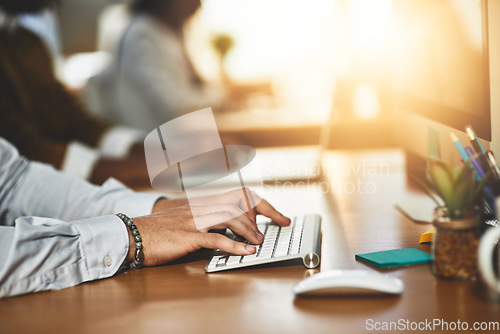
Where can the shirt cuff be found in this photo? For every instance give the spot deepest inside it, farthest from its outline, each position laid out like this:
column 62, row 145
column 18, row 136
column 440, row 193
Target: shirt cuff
column 131, row 203
column 137, row 204
column 79, row 160
column 117, row 141
column 104, row 244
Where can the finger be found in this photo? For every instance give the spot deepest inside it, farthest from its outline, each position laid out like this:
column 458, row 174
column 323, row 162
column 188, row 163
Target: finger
column 245, row 198
column 241, row 224
column 214, row 241
column 240, row 227
column 216, row 215
column 200, row 210
column 259, row 205
column 266, row 209
column 251, row 199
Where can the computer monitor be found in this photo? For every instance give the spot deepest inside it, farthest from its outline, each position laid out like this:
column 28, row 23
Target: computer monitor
column 445, row 74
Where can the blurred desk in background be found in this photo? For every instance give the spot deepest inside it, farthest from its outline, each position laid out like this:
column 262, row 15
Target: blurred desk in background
column 271, row 127
column 356, row 200
column 277, row 127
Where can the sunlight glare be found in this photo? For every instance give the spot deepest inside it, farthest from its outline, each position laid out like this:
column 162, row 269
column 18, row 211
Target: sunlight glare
column 366, row 102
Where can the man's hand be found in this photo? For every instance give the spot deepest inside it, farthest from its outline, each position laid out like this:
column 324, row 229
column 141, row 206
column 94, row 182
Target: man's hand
column 172, row 233
column 238, row 198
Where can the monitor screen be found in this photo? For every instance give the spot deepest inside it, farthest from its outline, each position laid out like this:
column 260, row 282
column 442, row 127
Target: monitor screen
column 440, row 65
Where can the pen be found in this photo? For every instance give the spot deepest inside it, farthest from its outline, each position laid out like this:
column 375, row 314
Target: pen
column 459, row 147
column 474, row 140
column 495, row 172
column 476, row 144
column 493, row 164
column 488, row 190
column 475, row 162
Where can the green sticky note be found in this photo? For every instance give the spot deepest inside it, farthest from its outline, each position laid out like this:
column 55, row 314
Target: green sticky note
column 395, row 257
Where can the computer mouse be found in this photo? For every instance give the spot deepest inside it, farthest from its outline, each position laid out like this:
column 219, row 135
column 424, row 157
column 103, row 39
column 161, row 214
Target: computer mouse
column 348, row 282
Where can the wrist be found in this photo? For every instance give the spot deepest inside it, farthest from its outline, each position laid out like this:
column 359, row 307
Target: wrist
column 135, row 256
column 131, row 247
column 165, row 204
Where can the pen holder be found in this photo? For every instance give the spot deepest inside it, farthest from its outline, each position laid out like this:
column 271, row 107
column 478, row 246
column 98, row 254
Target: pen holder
column 455, row 246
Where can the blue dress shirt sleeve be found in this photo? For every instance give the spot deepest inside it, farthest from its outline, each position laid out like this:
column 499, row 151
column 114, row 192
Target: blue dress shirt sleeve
column 81, row 241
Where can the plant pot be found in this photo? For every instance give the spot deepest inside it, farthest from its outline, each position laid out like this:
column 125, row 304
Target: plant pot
column 455, row 246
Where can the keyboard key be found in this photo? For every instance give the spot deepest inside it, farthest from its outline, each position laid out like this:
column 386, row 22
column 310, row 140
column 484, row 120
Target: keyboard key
column 215, row 259
column 295, row 244
column 268, row 242
column 283, row 243
column 272, row 230
column 222, row 261
column 307, row 233
column 266, row 253
column 281, row 251
column 266, row 249
column 249, row 258
column 299, row 223
column 233, row 259
column 213, row 263
column 294, row 249
column 262, row 228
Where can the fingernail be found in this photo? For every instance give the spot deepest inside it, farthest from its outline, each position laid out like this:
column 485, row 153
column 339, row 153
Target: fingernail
column 259, row 235
column 250, row 248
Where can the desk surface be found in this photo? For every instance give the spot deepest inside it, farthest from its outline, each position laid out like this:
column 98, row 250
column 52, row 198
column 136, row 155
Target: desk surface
column 358, row 212
column 271, row 127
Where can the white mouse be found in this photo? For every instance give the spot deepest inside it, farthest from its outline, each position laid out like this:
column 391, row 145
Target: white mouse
column 348, row 282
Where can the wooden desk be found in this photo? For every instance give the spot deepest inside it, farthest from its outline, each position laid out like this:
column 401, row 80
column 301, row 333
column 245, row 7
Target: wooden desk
column 181, row 298
column 268, row 127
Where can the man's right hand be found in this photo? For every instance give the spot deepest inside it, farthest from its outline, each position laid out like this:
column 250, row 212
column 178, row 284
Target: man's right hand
column 172, row 233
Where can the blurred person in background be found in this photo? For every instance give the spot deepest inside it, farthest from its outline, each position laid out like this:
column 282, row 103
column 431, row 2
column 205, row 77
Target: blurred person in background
column 46, row 122
column 152, row 79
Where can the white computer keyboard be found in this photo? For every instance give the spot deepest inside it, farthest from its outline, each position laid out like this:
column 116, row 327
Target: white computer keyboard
column 300, row 240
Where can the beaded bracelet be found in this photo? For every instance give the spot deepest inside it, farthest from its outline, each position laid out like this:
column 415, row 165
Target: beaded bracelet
column 136, row 263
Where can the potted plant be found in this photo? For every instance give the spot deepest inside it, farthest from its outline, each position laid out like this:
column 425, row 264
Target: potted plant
column 457, row 193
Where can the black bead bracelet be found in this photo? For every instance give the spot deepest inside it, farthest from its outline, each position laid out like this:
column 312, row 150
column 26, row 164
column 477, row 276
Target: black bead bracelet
column 136, row 263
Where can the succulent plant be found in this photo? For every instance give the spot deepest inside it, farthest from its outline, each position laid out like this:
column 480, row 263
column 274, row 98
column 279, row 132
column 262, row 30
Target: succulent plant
column 457, row 187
